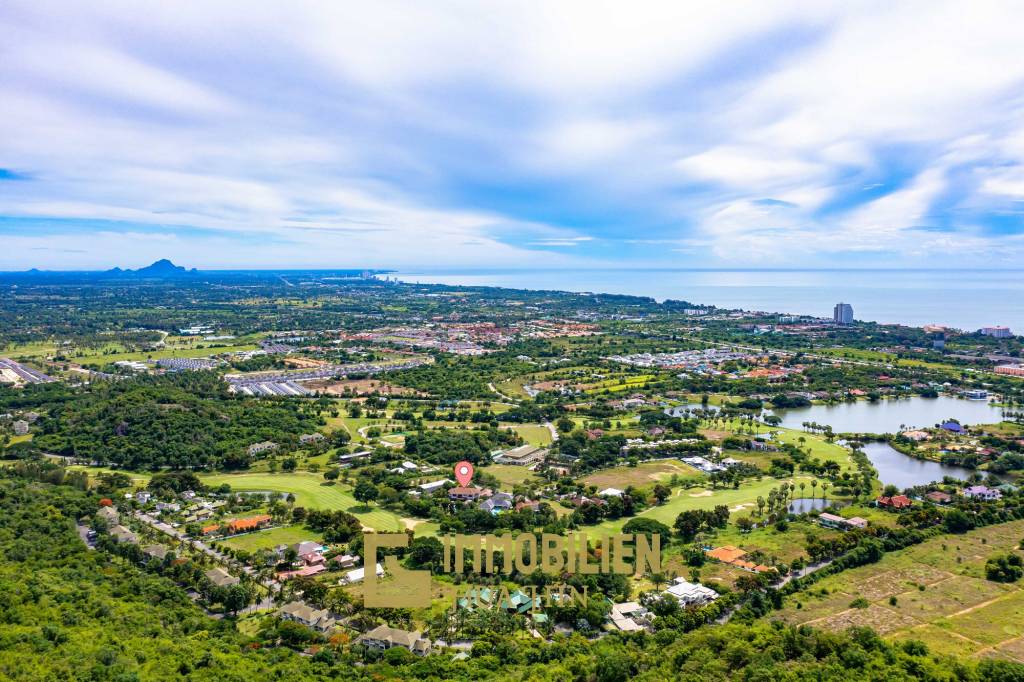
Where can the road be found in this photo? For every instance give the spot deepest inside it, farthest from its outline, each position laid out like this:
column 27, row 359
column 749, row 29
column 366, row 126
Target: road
column 793, row 575
column 200, row 546
column 510, row 399
column 553, row 430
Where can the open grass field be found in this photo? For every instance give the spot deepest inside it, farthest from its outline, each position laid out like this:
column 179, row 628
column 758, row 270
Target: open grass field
column 509, row 474
column 534, row 434
column 643, row 474
column 311, row 491
column 139, row 479
column 272, row 537
column 742, row 499
column 942, row 597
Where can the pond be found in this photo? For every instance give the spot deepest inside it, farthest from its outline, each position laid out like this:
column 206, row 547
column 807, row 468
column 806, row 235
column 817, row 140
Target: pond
column 887, row 416
column 802, row 505
column 904, row 471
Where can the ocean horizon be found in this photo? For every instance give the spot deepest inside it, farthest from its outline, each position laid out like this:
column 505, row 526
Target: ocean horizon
column 965, row 299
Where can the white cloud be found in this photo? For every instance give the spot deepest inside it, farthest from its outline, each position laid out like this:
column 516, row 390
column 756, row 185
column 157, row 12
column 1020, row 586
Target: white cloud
column 504, row 132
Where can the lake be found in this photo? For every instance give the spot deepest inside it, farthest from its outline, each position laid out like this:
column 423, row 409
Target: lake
column 802, row 505
column 904, row 471
column 886, row 416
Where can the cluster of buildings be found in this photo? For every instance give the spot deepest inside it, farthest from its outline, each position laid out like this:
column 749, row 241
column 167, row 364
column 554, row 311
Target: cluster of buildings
column 694, row 360
column 15, row 373
column 632, row 616
column 287, row 383
column 20, row 426
column 186, row 364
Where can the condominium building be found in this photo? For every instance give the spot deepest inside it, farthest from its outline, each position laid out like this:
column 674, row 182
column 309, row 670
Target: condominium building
column 842, row 313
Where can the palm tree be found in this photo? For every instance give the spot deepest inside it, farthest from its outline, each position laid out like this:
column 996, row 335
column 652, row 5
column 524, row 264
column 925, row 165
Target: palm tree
column 760, row 505
column 824, row 489
column 814, row 486
column 803, row 485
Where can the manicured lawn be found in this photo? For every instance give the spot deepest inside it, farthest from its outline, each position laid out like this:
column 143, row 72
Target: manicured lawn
column 272, row 537
column 310, row 491
column 700, row 498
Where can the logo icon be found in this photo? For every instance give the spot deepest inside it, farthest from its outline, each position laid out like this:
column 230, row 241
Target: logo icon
column 463, row 473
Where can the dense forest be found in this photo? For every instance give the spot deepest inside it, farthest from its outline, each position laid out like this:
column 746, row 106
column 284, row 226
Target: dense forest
column 186, row 420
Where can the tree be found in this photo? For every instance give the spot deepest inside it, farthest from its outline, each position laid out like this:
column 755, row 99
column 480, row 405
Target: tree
column 289, row 464
column 648, row 527
column 661, row 492
column 565, row 425
column 332, row 474
column 365, row 491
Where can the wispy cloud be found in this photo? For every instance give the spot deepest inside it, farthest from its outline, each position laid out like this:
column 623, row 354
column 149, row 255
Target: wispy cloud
column 392, row 134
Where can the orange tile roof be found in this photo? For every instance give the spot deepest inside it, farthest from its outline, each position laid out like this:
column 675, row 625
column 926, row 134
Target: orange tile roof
column 249, row 523
column 727, row 554
column 210, row 529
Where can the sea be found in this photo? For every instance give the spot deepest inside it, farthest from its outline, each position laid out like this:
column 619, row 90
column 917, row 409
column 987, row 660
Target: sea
column 962, row 299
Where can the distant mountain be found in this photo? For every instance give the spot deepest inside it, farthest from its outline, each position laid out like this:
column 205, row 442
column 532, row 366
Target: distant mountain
column 161, row 269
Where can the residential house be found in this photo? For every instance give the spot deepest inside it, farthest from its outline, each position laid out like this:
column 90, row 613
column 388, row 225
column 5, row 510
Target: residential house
column 308, row 438
column 433, row 486
column 258, row 448
column 628, row 616
column 122, row 534
column 953, row 427
column 465, row 494
column 344, row 560
column 532, row 505
column 580, row 500
column 20, row 427
column 938, row 497
column 895, row 502
column 357, row 575
column 250, row 523
column 221, row 578
column 611, row 492
column 299, row 612
column 497, row 503
column 155, row 552
column 733, row 556
column 384, row 637
column 691, row 594
column 524, row 455
column 109, row 515
column 143, row 497
column 833, row 521
column 981, row 492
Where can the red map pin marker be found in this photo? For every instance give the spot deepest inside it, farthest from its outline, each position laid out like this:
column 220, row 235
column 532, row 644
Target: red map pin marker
column 463, row 473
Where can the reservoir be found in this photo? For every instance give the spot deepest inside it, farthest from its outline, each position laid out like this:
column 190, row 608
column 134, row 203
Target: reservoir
column 887, row 416
column 904, row 471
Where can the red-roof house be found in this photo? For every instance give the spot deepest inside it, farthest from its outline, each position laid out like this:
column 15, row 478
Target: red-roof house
column 895, row 502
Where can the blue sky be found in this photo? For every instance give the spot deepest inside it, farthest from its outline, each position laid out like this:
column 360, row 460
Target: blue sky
column 570, row 134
